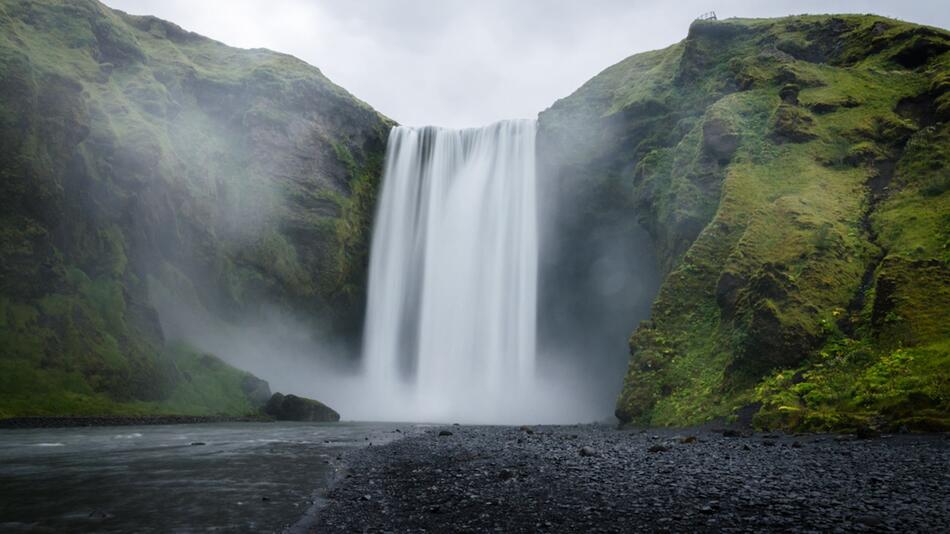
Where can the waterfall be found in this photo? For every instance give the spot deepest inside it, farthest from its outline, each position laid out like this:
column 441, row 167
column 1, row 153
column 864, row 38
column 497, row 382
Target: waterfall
column 451, row 314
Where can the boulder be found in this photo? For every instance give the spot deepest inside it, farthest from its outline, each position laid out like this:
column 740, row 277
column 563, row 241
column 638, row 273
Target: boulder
column 294, row 408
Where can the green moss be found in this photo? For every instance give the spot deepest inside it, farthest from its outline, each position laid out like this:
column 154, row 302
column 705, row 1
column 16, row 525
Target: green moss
column 826, row 227
column 205, row 386
column 852, row 384
column 133, row 151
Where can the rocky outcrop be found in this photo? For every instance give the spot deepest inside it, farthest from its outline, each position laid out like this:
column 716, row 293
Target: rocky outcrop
column 293, row 408
column 792, row 177
column 257, row 390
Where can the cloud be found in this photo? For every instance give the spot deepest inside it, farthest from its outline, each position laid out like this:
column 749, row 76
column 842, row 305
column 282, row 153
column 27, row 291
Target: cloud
column 464, row 63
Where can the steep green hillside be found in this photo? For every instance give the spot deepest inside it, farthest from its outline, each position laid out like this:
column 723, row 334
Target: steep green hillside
column 140, row 160
column 792, row 174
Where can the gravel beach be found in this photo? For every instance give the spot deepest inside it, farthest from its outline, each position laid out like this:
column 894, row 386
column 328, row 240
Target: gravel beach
column 594, row 478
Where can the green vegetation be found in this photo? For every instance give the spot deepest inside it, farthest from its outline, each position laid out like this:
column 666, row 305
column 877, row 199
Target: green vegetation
column 792, row 173
column 202, row 385
column 138, row 158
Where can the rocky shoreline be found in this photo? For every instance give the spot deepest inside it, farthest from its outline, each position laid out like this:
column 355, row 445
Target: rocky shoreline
column 594, row 478
column 124, row 420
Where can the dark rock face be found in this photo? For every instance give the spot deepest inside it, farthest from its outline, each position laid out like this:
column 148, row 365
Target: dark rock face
column 256, row 390
column 294, row 408
column 791, row 124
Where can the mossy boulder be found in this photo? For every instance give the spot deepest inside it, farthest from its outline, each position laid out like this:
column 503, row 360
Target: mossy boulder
column 720, row 139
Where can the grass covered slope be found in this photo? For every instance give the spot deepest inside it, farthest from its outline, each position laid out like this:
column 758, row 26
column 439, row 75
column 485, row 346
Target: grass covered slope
column 138, row 161
column 792, row 173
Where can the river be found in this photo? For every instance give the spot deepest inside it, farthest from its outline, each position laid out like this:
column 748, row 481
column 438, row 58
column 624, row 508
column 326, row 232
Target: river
column 173, row 478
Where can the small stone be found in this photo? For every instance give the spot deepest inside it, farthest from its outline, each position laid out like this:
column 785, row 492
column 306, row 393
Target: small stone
column 870, row 520
column 587, row 451
column 658, row 448
column 506, row 474
column 768, row 443
column 526, row 429
column 796, row 444
column 686, row 439
column 444, row 433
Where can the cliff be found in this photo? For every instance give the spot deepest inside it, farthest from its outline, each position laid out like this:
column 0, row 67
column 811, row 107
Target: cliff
column 143, row 164
column 792, row 174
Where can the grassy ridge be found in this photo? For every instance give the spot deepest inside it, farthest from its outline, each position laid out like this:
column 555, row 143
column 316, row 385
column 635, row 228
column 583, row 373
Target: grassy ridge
column 792, row 174
column 136, row 158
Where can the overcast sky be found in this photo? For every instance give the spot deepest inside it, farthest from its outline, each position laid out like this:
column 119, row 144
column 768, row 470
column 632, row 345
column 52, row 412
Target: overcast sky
column 471, row 62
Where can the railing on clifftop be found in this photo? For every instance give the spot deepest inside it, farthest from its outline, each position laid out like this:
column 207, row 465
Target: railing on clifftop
column 709, row 15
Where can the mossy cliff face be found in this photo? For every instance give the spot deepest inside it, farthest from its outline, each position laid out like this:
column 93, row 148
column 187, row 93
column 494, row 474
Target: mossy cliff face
column 792, row 174
column 139, row 159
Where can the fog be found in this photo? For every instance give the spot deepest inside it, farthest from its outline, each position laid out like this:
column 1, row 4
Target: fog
column 595, row 278
column 460, row 64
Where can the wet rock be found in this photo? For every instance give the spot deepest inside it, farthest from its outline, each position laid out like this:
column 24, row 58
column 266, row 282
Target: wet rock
column 197, row 443
column 294, row 408
column 443, row 433
column 867, row 432
column 685, row 439
column 658, row 448
column 789, row 94
column 506, row 474
column 870, row 520
column 792, row 124
column 720, row 140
